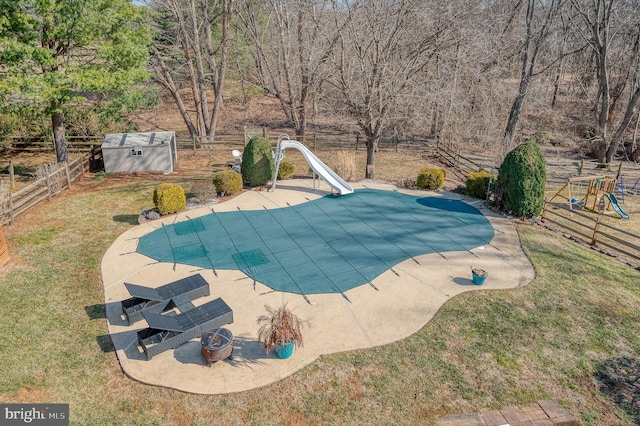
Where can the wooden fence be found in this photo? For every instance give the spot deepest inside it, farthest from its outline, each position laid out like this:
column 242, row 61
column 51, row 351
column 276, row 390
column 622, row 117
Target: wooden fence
column 54, row 182
column 4, row 251
column 593, row 231
column 465, row 163
column 558, row 170
column 184, row 141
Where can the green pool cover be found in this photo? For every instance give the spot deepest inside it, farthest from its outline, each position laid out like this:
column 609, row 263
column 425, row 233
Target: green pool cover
column 328, row 245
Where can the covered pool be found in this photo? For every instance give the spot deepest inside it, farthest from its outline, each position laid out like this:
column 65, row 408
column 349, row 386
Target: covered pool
column 328, row 245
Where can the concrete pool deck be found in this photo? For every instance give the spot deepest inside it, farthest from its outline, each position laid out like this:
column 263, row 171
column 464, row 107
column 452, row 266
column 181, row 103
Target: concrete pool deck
column 401, row 303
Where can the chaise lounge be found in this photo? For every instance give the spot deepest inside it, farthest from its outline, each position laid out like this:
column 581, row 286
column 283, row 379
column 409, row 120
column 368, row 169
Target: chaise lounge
column 161, row 299
column 170, row 331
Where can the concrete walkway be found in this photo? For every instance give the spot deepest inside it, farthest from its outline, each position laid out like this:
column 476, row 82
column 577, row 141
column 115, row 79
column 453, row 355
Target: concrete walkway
column 397, row 307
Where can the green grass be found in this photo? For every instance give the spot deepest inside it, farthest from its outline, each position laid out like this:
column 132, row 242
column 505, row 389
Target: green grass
column 549, row 339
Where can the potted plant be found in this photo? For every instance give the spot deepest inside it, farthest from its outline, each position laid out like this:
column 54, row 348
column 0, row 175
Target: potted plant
column 280, row 329
column 478, row 276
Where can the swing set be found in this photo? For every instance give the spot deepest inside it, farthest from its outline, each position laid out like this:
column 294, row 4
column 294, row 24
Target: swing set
column 591, row 192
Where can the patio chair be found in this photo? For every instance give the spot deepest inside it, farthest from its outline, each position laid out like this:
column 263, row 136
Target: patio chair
column 170, row 331
column 161, row 299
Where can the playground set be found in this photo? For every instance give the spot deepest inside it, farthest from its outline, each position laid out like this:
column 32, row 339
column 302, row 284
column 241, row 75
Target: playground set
column 595, row 193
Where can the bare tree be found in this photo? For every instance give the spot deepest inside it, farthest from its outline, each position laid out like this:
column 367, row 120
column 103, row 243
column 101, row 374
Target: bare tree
column 292, row 44
column 535, row 36
column 612, row 30
column 187, row 55
column 381, row 55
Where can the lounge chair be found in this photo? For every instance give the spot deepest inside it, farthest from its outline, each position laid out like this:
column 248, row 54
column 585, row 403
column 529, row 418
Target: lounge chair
column 161, row 299
column 170, row 331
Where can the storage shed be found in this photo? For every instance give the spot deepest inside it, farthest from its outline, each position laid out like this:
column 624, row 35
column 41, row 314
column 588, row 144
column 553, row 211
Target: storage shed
column 135, row 152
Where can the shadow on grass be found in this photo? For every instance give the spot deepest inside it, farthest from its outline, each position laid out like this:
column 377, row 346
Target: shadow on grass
column 619, row 379
column 96, row 311
column 105, row 343
column 131, row 219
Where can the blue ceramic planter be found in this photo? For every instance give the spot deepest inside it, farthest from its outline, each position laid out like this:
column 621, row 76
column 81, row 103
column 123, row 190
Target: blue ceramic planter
column 479, row 279
column 285, row 350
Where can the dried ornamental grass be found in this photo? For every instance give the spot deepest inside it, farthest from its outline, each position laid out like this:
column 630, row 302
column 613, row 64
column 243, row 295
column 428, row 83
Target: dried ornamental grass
column 346, row 165
column 280, row 326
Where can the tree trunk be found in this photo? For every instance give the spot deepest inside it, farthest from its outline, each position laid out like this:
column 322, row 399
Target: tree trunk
column 57, row 119
column 528, row 66
column 220, row 71
column 203, row 110
column 372, row 146
column 633, row 103
column 516, row 110
column 163, row 77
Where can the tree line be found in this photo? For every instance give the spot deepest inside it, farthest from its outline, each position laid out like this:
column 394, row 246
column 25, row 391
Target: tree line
column 464, row 70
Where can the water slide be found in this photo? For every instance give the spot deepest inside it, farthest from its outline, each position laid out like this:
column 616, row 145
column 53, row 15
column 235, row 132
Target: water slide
column 321, row 169
column 614, row 203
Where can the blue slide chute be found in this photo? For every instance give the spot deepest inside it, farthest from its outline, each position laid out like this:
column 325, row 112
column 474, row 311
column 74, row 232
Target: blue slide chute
column 614, row 203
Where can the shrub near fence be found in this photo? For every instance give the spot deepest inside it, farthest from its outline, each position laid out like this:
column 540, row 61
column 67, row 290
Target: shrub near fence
column 54, row 182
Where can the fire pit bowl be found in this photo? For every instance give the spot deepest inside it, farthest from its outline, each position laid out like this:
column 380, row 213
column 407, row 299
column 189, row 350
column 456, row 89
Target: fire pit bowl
column 217, row 344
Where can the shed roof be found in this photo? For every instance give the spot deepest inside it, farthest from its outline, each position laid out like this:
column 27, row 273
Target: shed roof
column 128, row 140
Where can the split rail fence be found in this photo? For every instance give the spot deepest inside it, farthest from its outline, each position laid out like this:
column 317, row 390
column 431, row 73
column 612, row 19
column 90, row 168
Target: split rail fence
column 56, row 180
column 593, row 231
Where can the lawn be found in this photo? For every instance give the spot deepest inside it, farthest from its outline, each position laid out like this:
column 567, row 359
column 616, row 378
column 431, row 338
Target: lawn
column 563, row 336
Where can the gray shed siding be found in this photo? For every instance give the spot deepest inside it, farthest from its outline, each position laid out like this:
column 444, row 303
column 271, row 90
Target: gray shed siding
column 132, row 152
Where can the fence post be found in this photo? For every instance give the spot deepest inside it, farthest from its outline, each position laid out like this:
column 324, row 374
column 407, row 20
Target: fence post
column 594, row 239
column 11, row 175
column 314, row 141
column 48, row 182
column 357, row 140
column 66, row 169
column 396, row 136
column 581, row 165
column 11, row 215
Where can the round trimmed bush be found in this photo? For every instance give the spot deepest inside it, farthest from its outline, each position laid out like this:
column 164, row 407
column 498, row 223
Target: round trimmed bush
column 521, row 181
column 477, row 184
column 227, row 181
column 257, row 162
column 430, row 178
column 285, row 170
column 169, row 198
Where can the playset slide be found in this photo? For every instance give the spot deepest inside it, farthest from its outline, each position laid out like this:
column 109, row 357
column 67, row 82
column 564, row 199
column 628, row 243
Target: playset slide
column 616, row 206
column 321, row 169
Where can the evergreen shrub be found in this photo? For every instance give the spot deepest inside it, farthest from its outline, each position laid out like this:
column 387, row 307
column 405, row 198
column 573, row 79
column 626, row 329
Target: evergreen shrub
column 477, row 184
column 521, row 181
column 169, row 198
column 430, row 178
column 286, row 169
column 257, row 162
column 227, row 181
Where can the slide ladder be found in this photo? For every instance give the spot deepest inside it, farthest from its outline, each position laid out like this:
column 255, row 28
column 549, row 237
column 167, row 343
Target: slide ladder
column 616, row 206
column 321, row 169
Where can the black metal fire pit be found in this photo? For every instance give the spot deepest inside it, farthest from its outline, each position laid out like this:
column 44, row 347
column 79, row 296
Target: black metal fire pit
column 217, row 344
